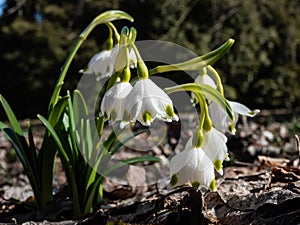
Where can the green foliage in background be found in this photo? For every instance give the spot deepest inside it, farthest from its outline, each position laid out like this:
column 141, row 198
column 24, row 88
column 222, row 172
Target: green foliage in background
column 263, row 69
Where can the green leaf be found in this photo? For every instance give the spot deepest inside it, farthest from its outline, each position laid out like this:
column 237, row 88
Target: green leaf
column 11, row 116
column 90, row 194
column 72, row 128
column 207, row 91
column 198, row 62
column 79, row 106
column 217, row 97
column 32, row 151
column 56, row 138
column 24, row 153
column 56, row 112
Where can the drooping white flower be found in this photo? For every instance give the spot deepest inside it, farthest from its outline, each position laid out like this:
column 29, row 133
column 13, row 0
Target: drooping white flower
column 146, row 102
column 214, row 146
column 220, row 119
column 112, row 102
column 102, row 64
column 193, row 166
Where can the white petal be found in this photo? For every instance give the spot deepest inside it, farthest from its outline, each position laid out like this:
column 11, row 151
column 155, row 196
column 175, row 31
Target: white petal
column 192, row 165
column 113, row 100
column 205, row 79
column 132, row 59
column 242, row 109
column 102, row 64
column 146, row 96
column 180, row 160
column 214, row 146
column 219, row 117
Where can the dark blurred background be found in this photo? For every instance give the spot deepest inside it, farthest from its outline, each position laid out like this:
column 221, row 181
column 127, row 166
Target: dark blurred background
column 261, row 70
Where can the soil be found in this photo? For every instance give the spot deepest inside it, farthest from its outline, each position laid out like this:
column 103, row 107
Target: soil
column 260, row 185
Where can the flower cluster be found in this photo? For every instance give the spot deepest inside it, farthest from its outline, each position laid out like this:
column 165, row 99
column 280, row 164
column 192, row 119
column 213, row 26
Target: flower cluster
column 145, row 101
column 197, row 162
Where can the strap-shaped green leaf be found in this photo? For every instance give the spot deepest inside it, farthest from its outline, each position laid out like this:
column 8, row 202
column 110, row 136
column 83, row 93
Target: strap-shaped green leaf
column 11, row 116
column 198, row 62
column 79, row 106
column 56, row 112
column 55, row 137
column 206, row 91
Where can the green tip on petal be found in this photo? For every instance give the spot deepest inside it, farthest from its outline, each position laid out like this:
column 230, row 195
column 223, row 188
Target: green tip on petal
column 227, row 157
column 218, row 164
column 253, row 113
column 174, row 180
column 169, row 111
column 196, row 184
column 213, row 185
column 231, row 128
column 147, row 117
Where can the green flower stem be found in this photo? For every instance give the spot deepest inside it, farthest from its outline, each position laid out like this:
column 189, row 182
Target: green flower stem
column 132, row 35
column 198, row 136
column 204, row 90
column 116, row 35
column 218, row 79
column 110, row 41
column 125, row 74
column 102, row 18
column 196, row 63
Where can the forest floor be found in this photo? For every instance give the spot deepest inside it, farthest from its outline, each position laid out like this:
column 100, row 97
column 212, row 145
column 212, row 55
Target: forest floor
column 260, row 185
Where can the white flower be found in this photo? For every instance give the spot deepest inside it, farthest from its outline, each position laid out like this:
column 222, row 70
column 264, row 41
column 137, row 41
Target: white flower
column 111, row 105
column 220, row 119
column 193, row 166
column 214, row 146
column 146, row 102
column 102, row 64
